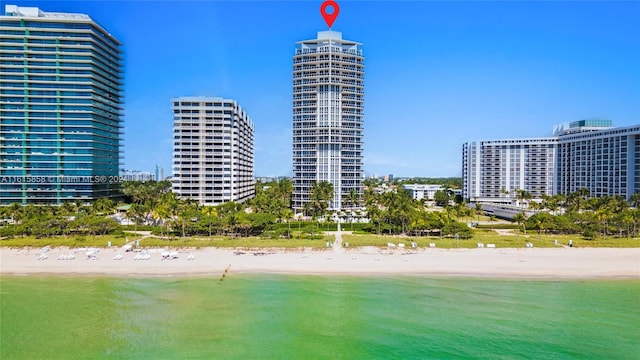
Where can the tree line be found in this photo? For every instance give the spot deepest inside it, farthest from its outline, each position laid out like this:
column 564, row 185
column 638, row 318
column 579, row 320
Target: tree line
column 395, row 212
column 578, row 213
column 390, row 211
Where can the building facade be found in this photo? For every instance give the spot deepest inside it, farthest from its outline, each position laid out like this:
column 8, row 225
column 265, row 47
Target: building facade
column 159, row 173
column 493, row 171
column 423, row 191
column 585, row 154
column 136, row 175
column 61, row 108
column 213, row 150
column 328, row 117
column 606, row 162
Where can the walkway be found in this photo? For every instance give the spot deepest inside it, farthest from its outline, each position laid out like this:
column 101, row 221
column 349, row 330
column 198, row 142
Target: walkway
column 143, row 235
column 337, row 243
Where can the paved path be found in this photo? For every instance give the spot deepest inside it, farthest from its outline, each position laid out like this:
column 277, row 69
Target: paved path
column 337, row 243
column 143, row 235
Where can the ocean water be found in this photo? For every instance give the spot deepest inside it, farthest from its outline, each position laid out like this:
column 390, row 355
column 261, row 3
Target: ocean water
column 317, row 317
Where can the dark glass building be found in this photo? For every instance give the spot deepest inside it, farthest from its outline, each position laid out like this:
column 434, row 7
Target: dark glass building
column 60, row 108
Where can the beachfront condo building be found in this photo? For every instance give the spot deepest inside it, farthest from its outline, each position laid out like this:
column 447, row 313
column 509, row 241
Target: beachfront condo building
column 328, row 117
column 589, row 154
column 494, row 170
column 605, row 161
column 213, row 150
column 60, row 106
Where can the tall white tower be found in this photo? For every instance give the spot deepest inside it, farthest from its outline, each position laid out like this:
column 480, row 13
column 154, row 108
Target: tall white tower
column 328, row 117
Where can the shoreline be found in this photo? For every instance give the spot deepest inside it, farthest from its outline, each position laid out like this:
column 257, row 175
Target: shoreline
column 503, row 263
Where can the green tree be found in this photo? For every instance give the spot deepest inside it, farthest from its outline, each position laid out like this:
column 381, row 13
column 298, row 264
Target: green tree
column 320, row 196
column 137, row 213
column 454, row 227
column 478, row 210
column 375, row 215
column 575, row 200
column 285, row 191
column 352, row 199
column 103, row 206
column 210, row 212
column 521, row 219
column 523, row 196
column 16, row 211
column 441, row 198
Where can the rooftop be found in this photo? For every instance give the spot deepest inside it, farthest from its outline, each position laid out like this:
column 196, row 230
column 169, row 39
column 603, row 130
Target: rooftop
column 22, row 11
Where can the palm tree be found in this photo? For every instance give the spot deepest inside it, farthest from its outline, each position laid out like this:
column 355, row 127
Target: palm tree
column 209, row 212
column 321, row 194
column 551, row 202
column 505, row 192
column 189, row 210
column 635, row 200
column 523, row 195
column 353, row 198
column 103, row 205
column 478, row 210
column 626, row 220
column 375, row 215
column 399, row 206
column 285, row 190
column 406, row 206
column 287, row 214
column 521, row 219
column 137, row 213
column 577, row 199
column 635, row 214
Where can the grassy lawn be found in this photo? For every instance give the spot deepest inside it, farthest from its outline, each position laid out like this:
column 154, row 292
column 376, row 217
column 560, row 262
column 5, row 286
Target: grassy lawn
column 516, row 240
column 223, row 242
column 70, row 241
column 491, row 237
column 227, row 242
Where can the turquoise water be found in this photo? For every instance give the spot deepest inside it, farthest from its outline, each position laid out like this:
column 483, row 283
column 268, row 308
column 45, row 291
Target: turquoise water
column 317, row 317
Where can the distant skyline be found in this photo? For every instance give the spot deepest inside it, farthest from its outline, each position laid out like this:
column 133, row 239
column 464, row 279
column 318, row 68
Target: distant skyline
column 438, row 74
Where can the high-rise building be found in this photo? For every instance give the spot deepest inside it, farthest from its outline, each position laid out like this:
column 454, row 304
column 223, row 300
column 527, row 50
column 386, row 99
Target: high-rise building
column 60, row 106
column 495, row 170
column 159, row 173
column 605, row 161
column 328, row 117
column 213, row 150
column 587, row 154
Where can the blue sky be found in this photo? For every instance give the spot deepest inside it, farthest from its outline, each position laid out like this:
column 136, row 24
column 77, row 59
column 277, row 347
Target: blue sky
column 437, row 74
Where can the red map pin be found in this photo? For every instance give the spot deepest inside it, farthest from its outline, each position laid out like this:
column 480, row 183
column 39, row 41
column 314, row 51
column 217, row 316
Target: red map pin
column 329, row 18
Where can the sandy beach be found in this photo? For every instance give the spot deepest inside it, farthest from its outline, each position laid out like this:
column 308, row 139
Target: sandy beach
column 485, row 262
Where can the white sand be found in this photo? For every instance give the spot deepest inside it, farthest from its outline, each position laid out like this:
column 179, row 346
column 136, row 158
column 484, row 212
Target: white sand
column 519, row 263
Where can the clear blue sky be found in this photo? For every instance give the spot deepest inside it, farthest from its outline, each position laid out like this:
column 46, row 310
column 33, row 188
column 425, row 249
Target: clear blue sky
column 437, row 74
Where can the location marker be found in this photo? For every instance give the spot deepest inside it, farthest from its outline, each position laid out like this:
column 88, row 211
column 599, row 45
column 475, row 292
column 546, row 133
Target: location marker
column 329, row 18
